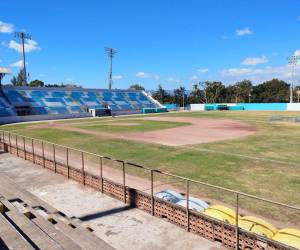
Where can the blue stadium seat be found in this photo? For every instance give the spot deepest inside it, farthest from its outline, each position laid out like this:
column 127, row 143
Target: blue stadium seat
column 68, row 101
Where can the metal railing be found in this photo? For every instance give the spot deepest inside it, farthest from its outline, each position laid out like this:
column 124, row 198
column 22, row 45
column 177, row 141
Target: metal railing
column 7, row 137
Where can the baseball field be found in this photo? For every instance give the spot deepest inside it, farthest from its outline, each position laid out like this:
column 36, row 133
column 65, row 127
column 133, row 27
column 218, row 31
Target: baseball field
column 252, row 152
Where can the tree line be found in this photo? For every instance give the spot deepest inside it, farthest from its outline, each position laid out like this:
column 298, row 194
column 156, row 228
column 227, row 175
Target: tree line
column 243, row 91
column 19, row 81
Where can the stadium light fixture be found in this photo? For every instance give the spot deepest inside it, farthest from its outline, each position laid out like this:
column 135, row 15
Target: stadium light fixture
column 293, row 60
column 23, row 36
column 110, row 52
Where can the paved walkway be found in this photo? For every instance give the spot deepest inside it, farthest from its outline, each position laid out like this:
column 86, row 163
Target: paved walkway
column 117, row 224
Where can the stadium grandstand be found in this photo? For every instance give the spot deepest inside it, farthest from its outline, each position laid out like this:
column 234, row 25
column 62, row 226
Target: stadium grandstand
column 72, row 102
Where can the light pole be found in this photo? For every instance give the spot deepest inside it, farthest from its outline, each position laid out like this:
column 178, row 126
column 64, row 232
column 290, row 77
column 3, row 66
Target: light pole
column 110, row 52
column 23, row 36
column 293, row 62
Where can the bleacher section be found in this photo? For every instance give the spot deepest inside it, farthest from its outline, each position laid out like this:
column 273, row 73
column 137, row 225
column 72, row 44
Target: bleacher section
column 27, row 222
column 5, row 108
column 52, row 101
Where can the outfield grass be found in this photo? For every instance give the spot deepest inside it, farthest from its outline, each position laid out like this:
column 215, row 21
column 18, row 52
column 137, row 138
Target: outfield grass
column 266, row 164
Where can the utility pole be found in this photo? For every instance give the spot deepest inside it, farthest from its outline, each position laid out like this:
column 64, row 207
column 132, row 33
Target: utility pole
column 110, row 52
column 293, row 62
column 183, row 92
column 23, row 36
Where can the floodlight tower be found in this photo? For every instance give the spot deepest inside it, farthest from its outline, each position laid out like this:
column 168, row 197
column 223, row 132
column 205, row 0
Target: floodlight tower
column 293, row 62
column 23, row 36
column 110, row 52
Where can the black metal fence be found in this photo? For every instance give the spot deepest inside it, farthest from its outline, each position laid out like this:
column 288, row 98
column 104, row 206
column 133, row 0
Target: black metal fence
column 127, row 174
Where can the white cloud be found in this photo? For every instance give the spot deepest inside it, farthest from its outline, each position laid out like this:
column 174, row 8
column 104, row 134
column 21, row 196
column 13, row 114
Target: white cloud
column 30, row 45
column 283, row 72
column 297, row 52
column 204, row 70
column 17, row 64
column 156, row 77
column 142, row 74
column 117, row 77
column 255, row 60
column 6, row 27
column 170, row 79
column 244, row 32
column 194, row 78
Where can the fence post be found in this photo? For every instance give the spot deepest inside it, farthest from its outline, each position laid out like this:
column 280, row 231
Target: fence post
column 17, row 145
column 54, row 158
column 68, row 163
column 24, row 148
column 101, row 172
column 82, row 168
column 187, row 205
column 9, row 140
column 237, row 246
column 124, row 183
column 43, row 154
column 3, row 139
column 32, row 145
column 152, row 197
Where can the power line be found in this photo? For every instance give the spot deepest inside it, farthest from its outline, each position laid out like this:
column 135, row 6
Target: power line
column 23, row 36
column 110, row 52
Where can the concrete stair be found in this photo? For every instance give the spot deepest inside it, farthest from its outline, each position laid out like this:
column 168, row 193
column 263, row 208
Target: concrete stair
column 26, row 222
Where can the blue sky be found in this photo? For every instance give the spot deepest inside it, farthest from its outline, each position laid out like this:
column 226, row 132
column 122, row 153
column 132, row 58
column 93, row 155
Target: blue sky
column 168, row 42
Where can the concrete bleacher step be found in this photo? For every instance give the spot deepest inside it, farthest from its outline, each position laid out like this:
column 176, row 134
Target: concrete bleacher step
column 30, row 231
column 71, row 229
column 82, row 236
column 10, row 190
column 11, row 238
column 63, row 240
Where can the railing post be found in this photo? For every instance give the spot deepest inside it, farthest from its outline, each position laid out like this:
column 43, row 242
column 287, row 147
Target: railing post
column 124, row 183
column 237, row 246
column 68, row 163
column 152, row 195
column 43, row 154
column 3, row 139
column 32, row 145
column 17, row 145
column 24, row 148
column 101, row 172
column 9, row 140
column 187, row 205
column 82, row 168
column 54, row 158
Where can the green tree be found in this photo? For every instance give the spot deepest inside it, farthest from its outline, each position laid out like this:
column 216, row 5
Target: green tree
column 274, row 90
column 196, row 96
column 19, row 80
column 137, row 87
column 180, row 96
column 36, row 83
column 214, row 92
column 161, row 95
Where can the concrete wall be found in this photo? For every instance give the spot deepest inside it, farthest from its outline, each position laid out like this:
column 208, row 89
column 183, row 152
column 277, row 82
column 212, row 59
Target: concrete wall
column 29, row 118
column 252, row 106
column 197, row 107
column 293, row 106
